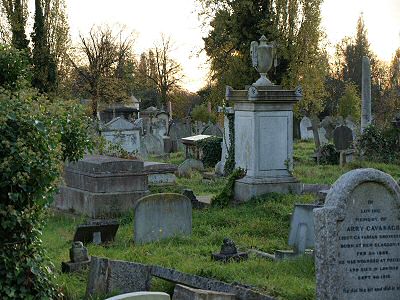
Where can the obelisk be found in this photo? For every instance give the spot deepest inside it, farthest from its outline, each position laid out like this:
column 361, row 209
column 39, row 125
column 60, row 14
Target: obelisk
column 365, row 94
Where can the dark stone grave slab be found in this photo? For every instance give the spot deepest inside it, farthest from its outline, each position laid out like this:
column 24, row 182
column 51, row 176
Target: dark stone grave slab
column 342, row 138
column 229, row 252
column 97, row 231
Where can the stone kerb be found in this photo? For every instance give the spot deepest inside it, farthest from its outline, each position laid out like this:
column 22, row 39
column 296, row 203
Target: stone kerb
column 357, row 242
column 160, row 216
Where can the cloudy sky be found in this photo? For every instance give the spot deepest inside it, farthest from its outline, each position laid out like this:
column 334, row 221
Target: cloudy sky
column 178, row 19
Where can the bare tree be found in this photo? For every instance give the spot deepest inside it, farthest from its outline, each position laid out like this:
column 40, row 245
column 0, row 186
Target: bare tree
column 168, row 75
column 104, row 53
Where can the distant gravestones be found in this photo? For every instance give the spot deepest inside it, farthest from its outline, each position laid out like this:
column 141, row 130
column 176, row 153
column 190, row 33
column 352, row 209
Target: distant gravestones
column 305, row 129
column 160, row 216
column 357, row 246
column 96, row 231
column 342, row 137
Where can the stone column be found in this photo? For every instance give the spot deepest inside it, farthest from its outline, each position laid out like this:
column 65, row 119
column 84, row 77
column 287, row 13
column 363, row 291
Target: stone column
column 264, row 140
column 366, row 94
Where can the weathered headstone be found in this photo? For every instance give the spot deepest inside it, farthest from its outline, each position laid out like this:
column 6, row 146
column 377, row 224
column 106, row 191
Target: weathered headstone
column 122, row 132
column 305, row 132
column 160, row 173
column 342, row 138
column 357, row 242
column 107, row 276
column 160, row 216
column 79, row 259
column 366, row 117
column 301, row 234
column 186, row 168
column 96, row 231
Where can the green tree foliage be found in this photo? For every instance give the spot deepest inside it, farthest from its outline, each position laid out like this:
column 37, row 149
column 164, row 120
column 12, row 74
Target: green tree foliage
column 16, row 12
column 37, row 135
column 17, row 76
column 350, row 102
column 201, row 113
column 294, row 25
column 44, row 66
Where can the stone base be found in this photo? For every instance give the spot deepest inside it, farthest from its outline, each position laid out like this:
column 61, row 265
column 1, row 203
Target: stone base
column 96, row 205
column 249, row 187
column 182, row 292
column 230, row 257
column 69, row 267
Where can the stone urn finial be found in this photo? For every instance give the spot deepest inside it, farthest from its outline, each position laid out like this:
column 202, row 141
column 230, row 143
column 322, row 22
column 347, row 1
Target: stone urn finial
column 262, row 56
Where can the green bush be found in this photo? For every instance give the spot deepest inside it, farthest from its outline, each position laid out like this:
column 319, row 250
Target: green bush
column 200, row 113
column 36, row 135
column 379, row 145
column 14, row 67
column 211, row 149
column 329, row 155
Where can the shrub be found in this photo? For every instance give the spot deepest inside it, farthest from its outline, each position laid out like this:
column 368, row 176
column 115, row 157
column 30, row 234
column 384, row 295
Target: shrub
column 36, row 136
column 379, row 145
column 14, row 67
column 211, row 149
column 200, row 113
column 329, row 155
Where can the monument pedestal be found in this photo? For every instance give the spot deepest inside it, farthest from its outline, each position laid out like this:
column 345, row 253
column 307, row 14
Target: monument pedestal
column 264, row 140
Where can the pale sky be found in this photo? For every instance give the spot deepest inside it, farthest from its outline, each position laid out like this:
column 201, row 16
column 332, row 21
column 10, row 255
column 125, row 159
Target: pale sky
column 178, row 19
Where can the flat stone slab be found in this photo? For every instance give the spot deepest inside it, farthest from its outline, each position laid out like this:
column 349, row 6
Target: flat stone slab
column 142, row 296
column 160, row 216
column 151, row 167
column 71, row 267
column 97, row 231
column 182, row 292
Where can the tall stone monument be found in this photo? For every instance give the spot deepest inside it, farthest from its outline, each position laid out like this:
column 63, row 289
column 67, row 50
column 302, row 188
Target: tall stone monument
column 357, row 238
column 263, row 130
column 366, row 117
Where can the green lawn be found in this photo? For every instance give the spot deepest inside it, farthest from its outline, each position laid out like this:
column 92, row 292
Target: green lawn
column 262, row 224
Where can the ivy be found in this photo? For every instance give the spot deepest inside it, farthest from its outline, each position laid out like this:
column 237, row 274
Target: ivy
column 225, row 197
column 230, row 161
column 211, row 149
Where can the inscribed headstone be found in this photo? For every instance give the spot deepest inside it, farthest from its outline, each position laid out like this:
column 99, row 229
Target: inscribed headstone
column 160, row 216
column 357, row 242
column 342, row 137
column 305, row 131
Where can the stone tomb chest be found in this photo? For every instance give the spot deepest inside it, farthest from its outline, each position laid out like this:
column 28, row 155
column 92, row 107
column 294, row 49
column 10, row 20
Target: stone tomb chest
column 357, row 242
column 102, row 186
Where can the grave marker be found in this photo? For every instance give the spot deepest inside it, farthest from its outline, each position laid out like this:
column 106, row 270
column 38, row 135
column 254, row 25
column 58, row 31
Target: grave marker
column 357, row 242
column 96, row 231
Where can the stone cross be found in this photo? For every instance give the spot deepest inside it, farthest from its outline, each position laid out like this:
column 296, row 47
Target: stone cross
column 365, row 94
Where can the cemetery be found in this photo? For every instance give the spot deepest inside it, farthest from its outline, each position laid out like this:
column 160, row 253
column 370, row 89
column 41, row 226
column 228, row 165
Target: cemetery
column 278, row 179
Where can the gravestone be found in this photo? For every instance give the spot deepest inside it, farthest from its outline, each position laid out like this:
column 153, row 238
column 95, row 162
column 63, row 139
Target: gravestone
column 212, row 129
column 122, row 132
column 182, row 292
column 102, row 186
column 187, row 167
column 151, row 144
column 79, row 259
column 160, row 173
column 357, row 242
column 160, row 216
column 96, row 231
column 342, row 137
column 301, row 234
column 229, row 252
column 305, row 131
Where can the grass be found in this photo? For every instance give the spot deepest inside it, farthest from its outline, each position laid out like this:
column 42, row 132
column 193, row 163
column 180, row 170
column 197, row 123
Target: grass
column 263, row 223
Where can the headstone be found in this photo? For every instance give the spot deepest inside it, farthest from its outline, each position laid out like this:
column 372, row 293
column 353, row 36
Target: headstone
column 322, row 136
column 212, row 129
column 366, row 117
column 182, row 292
column 342, row 138
column 97, row 231
column 122, row 132
column 301, row 235
column 229, row 252
column 349, row 123
column 186, row 168
column 160, row 173
column 142, row 296
column 178, row 130
column 357, row 242
column 161, row 216
column 305, row 132
column 79, row 259
column 152, row 144
column 102, row 186
column 107, row 276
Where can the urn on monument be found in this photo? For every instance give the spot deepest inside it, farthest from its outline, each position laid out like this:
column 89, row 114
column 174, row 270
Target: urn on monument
column 262, row 57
